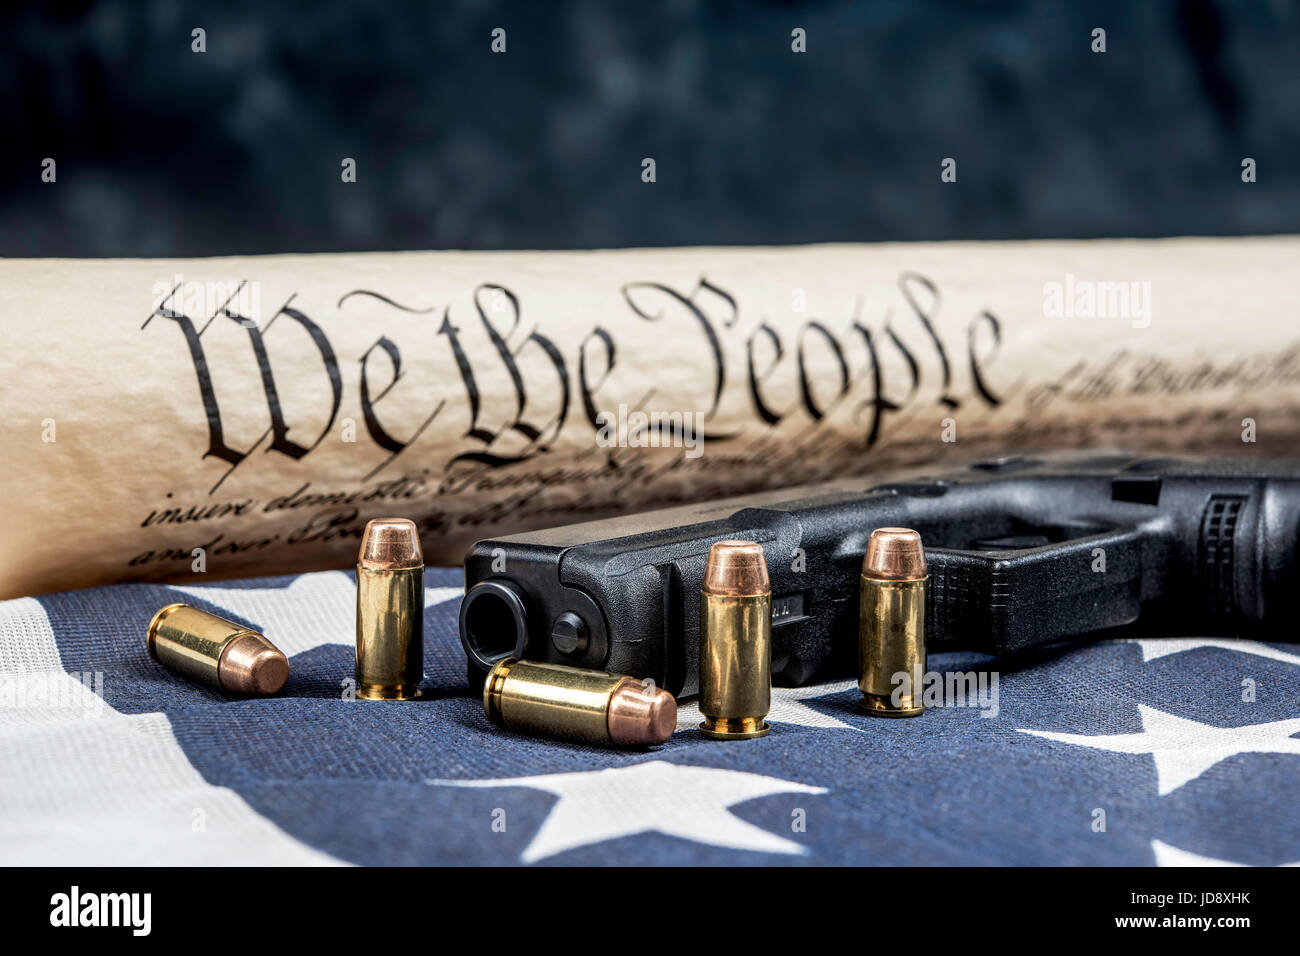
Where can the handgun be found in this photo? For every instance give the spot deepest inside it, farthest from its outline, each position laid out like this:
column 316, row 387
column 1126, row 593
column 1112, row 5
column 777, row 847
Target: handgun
column 1022, row 550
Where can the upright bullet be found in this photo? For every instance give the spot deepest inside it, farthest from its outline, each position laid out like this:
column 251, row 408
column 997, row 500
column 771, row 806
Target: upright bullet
column 216, row 652
column 735, row 642
column 891, row 624
column 390, row 611
column 592, row 706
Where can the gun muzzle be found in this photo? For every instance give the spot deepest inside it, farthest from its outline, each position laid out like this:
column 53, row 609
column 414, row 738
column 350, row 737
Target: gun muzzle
column 891, row 624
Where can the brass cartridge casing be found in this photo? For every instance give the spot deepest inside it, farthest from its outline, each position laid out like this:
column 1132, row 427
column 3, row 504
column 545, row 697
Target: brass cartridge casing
column 891, row 623
column 591, row 706
column 216, row 652
column 735, row 642
column 390, row 611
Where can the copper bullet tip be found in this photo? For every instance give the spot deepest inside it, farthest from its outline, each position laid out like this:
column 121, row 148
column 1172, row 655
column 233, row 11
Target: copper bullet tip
column 641, row 714
column 894, row 554
column 390, row 544
column 736, row 568
column 252, row 665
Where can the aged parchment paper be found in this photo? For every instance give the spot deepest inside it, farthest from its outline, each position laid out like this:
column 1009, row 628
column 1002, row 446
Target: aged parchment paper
column 173, row 419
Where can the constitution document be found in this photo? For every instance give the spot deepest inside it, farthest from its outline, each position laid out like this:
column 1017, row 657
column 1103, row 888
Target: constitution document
column 181, row 419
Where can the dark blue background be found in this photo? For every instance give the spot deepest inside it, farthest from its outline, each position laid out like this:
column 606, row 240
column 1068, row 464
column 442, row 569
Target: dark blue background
column 165, row 152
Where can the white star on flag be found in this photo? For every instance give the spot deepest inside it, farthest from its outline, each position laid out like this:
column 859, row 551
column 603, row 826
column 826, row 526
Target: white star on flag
column 325, row 608
column 654, row 797
column 1184, row 749
column 1167, row 855
column 1156, row 648
column 788, row 707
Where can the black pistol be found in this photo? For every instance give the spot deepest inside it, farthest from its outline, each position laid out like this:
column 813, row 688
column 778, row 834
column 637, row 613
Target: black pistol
column 1022, row 551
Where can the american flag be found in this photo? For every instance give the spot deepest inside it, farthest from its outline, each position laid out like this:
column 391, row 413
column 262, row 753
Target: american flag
column 1137, row 752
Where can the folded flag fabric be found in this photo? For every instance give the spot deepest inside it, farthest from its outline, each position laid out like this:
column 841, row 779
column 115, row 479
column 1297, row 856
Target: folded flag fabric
column 1133, row 752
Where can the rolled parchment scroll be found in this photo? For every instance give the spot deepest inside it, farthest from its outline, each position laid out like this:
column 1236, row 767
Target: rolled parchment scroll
column 183, row 419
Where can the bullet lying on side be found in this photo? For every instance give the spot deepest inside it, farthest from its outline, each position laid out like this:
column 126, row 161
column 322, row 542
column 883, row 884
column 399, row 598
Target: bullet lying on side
column 216, row 652
column 591, row 706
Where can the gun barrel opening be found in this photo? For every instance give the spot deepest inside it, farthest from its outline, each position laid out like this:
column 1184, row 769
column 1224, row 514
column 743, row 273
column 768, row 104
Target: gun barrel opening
column 493, row 623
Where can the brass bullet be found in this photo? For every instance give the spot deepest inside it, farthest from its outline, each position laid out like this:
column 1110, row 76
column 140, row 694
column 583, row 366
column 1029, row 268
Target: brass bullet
column 735, row 642
column 891, row 624
column 390, row 611
column 216, row 652
column 591, row 706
